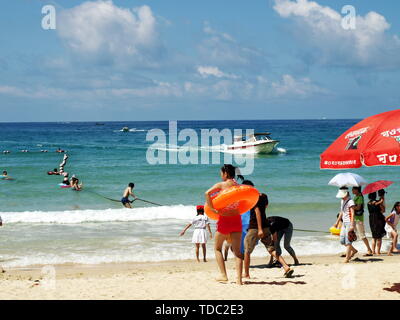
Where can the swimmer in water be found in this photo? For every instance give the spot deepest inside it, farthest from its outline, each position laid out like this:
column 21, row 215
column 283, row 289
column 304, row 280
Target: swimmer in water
column 63, row 163
column 5, row 176
column 128, row 192
column 54, row 172
column 229, row 228
column 75, row 183
column 65, row 180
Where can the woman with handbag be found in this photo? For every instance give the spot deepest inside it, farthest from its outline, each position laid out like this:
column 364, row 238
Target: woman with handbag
column 347, row 234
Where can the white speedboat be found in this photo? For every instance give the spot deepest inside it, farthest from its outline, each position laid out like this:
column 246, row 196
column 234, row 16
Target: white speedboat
column 125, row 129
column 254, row 143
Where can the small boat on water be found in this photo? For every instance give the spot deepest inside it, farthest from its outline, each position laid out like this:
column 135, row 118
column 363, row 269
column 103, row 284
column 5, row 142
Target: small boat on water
column 253, row 143
column 125, row 129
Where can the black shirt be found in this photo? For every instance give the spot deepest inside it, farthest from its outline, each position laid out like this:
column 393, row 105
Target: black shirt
column 277, row 224
column 262, row 205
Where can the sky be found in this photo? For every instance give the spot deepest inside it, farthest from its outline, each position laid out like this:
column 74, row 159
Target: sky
column 198, row 60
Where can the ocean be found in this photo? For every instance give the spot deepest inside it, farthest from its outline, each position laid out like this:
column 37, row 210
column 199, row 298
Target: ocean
column 45, row 224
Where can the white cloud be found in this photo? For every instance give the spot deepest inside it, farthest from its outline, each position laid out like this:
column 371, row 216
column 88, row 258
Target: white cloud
column 320, row 27
column 100, row 30
column 223, row 50
column 206, row 71
column 253, row 89
column 156, row 89
column 159, row 89
column 289, row 86
column 33, row 93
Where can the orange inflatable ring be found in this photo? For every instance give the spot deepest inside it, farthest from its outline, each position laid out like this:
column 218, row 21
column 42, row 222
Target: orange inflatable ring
column 232, row 201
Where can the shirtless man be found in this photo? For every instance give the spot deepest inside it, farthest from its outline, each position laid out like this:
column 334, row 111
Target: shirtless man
column 128, row 192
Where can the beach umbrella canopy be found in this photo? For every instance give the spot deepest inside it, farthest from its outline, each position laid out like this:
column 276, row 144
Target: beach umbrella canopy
column 374, row 141
column 347, row 179
column 377, row 185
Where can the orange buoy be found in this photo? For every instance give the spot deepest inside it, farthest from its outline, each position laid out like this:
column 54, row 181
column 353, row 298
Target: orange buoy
column 232, row 201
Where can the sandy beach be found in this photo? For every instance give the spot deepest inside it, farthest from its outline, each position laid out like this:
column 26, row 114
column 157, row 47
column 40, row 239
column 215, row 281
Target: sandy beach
column 318, row 277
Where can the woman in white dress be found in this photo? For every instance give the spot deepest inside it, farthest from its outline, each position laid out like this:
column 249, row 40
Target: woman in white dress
column 391, row 227
column 200, row 223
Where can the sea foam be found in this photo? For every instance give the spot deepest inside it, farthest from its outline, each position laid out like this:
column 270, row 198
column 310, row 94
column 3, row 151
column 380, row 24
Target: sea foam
column 179, row 212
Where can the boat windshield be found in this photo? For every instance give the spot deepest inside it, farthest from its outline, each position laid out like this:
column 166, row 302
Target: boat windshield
column 263, row 137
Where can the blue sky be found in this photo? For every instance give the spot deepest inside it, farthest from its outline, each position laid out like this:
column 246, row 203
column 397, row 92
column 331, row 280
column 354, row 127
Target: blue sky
column 166, row 60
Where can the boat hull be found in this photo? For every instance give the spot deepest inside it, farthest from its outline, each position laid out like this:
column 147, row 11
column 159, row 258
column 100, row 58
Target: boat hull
column 260, row 148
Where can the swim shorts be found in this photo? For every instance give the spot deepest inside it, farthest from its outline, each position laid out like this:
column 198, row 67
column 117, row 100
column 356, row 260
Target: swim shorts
column 227, row 225
column 125, row 200
column 251, row 239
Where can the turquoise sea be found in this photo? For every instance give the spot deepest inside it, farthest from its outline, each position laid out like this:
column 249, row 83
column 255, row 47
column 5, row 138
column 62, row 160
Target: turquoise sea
column 45, row 224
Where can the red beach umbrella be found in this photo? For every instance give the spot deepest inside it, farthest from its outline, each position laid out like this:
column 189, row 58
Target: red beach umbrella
column 377, row 185
column 374, row 141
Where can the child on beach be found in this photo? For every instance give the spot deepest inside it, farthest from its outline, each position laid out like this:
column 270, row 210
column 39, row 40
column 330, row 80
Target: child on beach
column 200, row 223
column 227, row 226
column 347, row 214
column 391, row 227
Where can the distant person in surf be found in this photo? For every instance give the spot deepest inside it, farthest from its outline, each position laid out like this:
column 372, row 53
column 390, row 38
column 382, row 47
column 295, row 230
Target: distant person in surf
column 54, row 172
column 75, row 185
column 65, row 179
column 63, row 163
column 228, row 227
column 5, row 176
column 201, row 224
column 1, row 222
column 125, row 197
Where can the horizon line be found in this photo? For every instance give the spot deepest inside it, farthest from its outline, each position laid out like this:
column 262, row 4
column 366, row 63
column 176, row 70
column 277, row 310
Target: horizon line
column 210, row 120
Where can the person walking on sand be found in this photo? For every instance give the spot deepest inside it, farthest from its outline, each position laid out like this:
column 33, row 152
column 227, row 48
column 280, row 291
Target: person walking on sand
column 280, row 227
column 200, row 223
column 257, row 229
column 227, row 226
column 376, row 222
column 347, row 214
column 391, row 227
column 359, row 218
column 125, row 197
